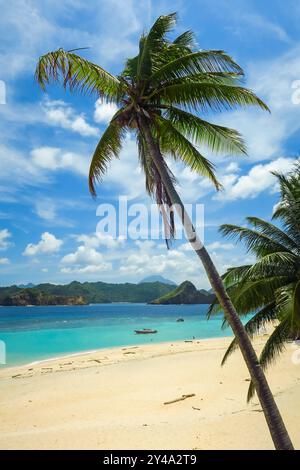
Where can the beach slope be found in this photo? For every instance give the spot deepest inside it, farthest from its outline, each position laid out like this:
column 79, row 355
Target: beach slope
column 116, row 399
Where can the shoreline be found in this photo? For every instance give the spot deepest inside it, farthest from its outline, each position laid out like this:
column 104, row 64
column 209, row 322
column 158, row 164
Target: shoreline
column 99, row 350
column 129, row 398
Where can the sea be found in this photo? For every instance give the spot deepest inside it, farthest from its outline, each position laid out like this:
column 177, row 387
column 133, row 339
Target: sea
column 30, row 334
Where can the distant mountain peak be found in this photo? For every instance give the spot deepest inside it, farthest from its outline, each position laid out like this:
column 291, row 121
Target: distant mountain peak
column 158, row 278
column 185, row 293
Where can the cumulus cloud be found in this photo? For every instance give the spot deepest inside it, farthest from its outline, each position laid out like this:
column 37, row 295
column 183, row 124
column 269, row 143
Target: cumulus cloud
column 256, row 181
column 48, row 244
column 266, row 134
column 58, row 113
column 84, row 260
column 5, row 235
column 4, row 261
column 104, row 111
column 53, row 158
column 100, row 239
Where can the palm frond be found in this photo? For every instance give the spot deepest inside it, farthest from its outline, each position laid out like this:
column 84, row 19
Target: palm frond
column 171, row 140
column 199, row 62
column 153, row 42
column 218, row 139
column 257, row 242
column 274, row 233
column 77, row 73
column 273, row 347
column 207, row 97
column 108, row 147
column 283, row 263
column 249, row 296
column 156, row 188
column 186, row 40
column 258, row 321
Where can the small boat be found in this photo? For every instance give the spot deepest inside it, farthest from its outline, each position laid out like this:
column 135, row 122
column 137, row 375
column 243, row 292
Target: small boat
column 179, row 320
column 145, row 331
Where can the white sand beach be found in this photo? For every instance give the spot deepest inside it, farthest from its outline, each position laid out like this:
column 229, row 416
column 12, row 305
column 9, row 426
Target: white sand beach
column 114, row 399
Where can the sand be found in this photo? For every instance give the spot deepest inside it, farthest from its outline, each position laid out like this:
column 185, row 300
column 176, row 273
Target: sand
column 114, row 399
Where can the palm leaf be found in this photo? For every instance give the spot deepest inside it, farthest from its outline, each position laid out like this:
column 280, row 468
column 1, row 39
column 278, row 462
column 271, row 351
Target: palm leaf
column 208, row 96
column 199, row 62
column 260, row 243
column 152, row 43
column 77, row 73
column 108, row 147
column 273, row 347
column 172, row 141
column 185, row 40
column 259, row 320
column 218, row 139
column 274, row 233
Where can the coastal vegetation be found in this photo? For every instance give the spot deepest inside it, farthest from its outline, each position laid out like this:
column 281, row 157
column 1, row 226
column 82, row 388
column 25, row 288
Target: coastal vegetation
column 77, row 293
column 270, row 286
column 185, row 293
column 86, row 292
column 32, row 296
column 160, row 96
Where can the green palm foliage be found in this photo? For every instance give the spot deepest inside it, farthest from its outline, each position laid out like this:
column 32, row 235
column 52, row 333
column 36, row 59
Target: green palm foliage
column 167, row 82
column 271, row 285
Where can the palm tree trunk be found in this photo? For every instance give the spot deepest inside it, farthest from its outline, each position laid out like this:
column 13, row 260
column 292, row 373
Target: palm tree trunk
column 274, row 420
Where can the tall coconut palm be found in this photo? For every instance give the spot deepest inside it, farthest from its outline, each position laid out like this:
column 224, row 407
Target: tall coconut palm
column 271, row 285
column 157, row 94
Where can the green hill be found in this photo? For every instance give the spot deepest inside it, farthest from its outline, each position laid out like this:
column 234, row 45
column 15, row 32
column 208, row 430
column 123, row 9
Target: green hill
column 89, row 292
column 35, row 297
column 185, row 293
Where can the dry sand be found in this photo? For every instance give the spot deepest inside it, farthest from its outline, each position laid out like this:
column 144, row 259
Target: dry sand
column 114, row 399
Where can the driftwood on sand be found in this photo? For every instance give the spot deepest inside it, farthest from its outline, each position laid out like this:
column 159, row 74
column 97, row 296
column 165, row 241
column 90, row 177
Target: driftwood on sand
column 183, row 397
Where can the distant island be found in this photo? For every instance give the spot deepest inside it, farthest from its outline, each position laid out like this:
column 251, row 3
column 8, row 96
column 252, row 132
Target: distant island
column 157, row 278
column 32, row 296
column 185, row 293
column 77, row 293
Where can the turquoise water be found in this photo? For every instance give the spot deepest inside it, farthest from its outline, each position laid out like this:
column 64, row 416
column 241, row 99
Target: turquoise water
column 36, row 333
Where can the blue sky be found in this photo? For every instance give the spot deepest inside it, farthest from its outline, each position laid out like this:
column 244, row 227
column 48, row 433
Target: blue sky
column 47, row 217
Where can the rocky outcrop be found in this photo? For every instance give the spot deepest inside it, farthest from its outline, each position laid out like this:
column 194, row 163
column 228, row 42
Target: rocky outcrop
column 185, row 293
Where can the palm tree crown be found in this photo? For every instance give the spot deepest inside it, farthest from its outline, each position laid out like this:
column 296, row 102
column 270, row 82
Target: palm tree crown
column 165, row 83
column 271, row 285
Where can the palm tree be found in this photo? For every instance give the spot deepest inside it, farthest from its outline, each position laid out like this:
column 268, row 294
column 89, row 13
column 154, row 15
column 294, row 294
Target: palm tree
column 156, row 95
column 271, row 285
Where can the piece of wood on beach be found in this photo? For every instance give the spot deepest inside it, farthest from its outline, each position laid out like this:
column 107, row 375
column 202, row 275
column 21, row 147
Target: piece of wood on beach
column 183, row 397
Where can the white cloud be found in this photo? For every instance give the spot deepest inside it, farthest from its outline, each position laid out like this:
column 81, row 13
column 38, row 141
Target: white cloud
column 31, row 28
column 46, row 209
column 258, row 180
column 58, row 113
column 5, row 235
column 52, row 158
column 100, row 239
column 104, row 111
column 4, row 261
column 48, row 244
column 219, row 246
column 85, row 260
column 266, row 134
column 17, row 167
